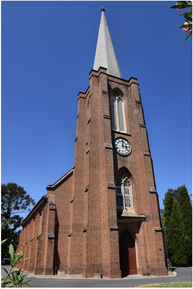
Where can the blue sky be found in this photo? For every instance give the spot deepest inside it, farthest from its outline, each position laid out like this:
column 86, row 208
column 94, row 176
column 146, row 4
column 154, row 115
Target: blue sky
column 48, row 51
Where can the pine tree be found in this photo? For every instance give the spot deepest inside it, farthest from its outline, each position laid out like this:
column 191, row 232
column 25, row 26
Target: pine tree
column 14, row 200
column 163, row 220
column 168, row 201
column 186, row 213
column 176, row 236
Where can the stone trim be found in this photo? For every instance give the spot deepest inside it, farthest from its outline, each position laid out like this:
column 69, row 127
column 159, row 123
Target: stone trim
column 83, row 97
column 157, row 229
column 148, row 218
column 120, row 132
column 113, row 228
column 110, row 185
column 142, row 125
column 108, row 146
column 98, row 72
column 147, row 154
column 52, row 207
column 42, row 201
column 106, row 116
column 133, row 83
column 51, row 236
column 132, row 77
column 52, row 187
column 137, row 101
column 87, row 151
column 152, row 190
column 105, row 92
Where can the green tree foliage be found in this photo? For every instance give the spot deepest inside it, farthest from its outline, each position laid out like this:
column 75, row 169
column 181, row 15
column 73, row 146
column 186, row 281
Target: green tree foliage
column 168, row 201
column 168, row 204
column 14, row 201
column 176, row 236
column 183, row 225
column 163, row 219
column 186, row 212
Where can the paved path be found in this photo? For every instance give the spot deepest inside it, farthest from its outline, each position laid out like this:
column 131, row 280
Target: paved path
column 183, row 274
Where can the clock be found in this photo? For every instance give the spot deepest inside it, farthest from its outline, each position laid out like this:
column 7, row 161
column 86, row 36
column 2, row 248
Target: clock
column 122, row 146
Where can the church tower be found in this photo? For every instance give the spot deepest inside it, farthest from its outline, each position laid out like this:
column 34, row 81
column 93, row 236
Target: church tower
column 101, row 219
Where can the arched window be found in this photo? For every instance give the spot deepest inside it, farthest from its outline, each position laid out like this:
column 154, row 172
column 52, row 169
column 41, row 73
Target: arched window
column 117, row 112
column 123, row 191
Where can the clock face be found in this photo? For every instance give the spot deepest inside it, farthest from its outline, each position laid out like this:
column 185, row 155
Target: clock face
column 122, row 146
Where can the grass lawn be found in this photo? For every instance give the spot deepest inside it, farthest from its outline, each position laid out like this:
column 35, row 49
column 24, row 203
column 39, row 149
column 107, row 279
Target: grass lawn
column 169, row 284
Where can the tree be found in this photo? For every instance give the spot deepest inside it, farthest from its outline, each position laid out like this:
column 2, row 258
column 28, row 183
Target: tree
column 185, row 206
column 168, row 201
column 163, row 220
column 186, row 212
column 183, row 223
column 14, row 201
column 176, row 235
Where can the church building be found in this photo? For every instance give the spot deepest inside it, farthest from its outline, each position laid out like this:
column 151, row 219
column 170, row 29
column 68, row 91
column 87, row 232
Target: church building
column 101, row 218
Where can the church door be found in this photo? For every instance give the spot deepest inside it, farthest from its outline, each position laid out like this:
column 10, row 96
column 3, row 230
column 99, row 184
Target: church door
column 127, row 254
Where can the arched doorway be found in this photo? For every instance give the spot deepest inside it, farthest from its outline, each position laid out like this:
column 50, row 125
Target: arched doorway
column 127, row 254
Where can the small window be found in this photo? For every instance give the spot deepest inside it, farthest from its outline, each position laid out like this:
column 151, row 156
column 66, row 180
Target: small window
column 119, row 194
column 123, row 191
column 127, row 195
column 117, row 112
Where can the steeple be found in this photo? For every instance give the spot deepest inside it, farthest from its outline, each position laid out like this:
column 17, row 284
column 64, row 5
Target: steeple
column 105, row 53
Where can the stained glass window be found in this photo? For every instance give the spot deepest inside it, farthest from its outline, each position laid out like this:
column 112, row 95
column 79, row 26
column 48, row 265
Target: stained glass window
column 123, row 192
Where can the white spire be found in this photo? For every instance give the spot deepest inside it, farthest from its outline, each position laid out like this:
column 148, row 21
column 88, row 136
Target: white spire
column 105, row 53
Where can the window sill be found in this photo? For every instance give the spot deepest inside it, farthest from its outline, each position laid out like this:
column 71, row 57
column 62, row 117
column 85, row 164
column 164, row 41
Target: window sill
column 130, row 215
column 121, row 132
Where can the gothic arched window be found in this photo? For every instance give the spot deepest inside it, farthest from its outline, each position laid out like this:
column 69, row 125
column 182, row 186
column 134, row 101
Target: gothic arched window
column 117, row 112
column 123, row 191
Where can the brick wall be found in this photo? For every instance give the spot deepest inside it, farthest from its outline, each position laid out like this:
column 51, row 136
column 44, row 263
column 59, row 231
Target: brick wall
column 77, row 229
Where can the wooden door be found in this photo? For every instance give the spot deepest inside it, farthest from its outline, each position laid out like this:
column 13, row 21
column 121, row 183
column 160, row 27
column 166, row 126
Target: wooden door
column 127, row 254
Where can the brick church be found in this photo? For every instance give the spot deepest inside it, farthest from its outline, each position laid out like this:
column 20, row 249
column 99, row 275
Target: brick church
column 101, row 219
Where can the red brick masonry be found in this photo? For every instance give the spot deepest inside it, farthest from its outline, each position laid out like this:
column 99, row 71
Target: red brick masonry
column 76, row 226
